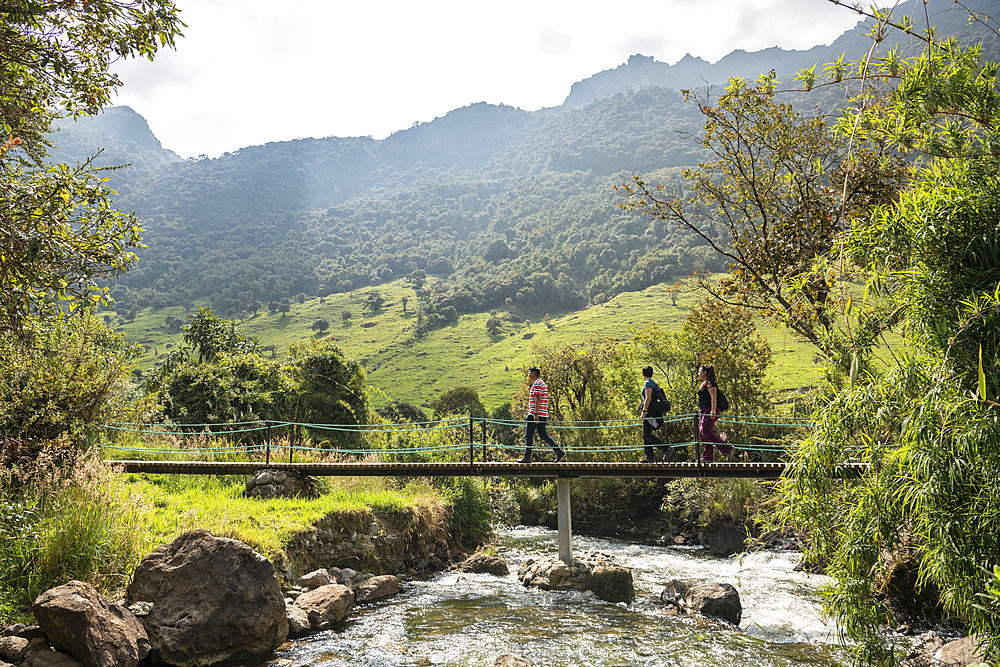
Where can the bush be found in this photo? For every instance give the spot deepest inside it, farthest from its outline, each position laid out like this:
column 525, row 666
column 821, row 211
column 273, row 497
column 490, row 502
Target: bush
column 471, row 519
column 65, row 516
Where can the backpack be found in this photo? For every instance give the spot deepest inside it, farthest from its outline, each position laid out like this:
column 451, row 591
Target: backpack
column 658, row 403
column 721, row 401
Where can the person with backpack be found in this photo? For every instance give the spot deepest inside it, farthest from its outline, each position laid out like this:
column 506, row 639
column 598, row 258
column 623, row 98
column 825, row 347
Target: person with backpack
column 711, row 403
column 654, row 405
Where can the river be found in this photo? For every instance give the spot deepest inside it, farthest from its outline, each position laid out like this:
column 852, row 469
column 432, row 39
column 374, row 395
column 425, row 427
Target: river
column 467, row 620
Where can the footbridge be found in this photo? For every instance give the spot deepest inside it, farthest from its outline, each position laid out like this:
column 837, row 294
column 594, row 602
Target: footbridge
column 445, row 449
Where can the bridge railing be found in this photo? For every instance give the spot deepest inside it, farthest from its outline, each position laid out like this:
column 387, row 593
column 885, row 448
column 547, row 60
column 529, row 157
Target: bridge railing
column 757, row 439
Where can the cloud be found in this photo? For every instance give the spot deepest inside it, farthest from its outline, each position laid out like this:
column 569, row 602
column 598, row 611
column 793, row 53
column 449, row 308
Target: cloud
column 552, row 42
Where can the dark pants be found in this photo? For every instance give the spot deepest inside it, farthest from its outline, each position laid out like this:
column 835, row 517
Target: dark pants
column 650, row 439
column 529, row 435
column 710, row 439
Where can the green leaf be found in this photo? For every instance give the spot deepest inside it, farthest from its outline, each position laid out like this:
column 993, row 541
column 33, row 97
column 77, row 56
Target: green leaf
column 982, row 376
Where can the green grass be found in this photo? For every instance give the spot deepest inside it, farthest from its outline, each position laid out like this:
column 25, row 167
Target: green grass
column 418, row 370
column 177, row 503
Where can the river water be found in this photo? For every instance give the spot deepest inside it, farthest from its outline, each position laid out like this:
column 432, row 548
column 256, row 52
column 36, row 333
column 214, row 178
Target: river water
column 466, row 620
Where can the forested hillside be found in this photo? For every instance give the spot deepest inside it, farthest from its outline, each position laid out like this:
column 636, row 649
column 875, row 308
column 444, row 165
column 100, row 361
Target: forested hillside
column 506, row 207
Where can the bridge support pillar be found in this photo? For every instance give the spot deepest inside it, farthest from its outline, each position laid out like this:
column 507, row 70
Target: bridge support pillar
column 565, row 524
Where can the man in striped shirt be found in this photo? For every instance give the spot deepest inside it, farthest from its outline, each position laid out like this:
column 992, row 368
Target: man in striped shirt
column 538, row 414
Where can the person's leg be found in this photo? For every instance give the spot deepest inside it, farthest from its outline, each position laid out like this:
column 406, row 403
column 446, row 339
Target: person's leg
column 543, row 434
column 649, row 439
column 708, row 437
column 529, row 437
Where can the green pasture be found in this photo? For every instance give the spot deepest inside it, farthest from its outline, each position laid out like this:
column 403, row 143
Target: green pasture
column 416, row 369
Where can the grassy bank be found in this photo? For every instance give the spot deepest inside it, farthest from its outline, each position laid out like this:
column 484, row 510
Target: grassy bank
column 65, row 517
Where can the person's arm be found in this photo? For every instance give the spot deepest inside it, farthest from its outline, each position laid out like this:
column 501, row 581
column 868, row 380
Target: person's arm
column 713, row 392
column 648, row 393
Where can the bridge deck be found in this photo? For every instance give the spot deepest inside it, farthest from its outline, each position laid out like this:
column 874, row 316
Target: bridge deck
column 477, row 469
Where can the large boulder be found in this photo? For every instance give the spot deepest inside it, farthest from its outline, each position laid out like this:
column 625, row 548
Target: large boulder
column 590, row 572
column 717, row 600
column 326, row 605
column 376, row 588
column 210, row 600
column 484, row 563
column 84, row 624
column 724, row 539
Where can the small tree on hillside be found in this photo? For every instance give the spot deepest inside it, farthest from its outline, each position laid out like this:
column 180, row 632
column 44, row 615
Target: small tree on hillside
column 459, row 401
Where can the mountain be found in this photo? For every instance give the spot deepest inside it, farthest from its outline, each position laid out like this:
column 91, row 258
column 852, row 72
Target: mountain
column 691, row 72
column 490, row 206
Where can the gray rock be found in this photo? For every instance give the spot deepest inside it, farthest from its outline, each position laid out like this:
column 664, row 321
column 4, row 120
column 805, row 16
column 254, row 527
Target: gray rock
column 214, row 600
column 484, row 563
column 81, row 622
column 613, row 583
column 724, row 539
column 348, row 573
column 336, row 576
column 716, row 600
column 13, row 648
column 329, row 604
column 510, row 660
column 50, row 659
column 12, row 630
column 298, row 620
column 314, row 579
column 959, row 653
column 376, row 588
column 589, row 572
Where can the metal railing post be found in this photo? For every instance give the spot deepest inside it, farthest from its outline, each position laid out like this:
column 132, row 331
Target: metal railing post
column 472, row 444
column 268, row 443
column 291, row 445
column 485, row 453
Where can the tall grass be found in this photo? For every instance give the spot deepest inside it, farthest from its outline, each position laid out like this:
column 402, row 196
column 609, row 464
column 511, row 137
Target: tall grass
column 65, row 516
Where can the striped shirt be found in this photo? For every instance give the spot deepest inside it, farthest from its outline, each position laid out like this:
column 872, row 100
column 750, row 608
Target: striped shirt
column 538, row 399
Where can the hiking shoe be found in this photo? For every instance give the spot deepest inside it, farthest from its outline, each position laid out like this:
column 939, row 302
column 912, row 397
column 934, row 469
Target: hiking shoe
column 646, row 460
column 560, row 455
column 524, row 459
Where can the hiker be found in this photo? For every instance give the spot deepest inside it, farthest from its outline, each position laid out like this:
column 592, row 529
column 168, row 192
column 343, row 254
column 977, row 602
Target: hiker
column 708, row 408
column 651, row 417
column 538, row 414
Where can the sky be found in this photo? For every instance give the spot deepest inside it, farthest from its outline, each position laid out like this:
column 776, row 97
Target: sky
column 249, row 72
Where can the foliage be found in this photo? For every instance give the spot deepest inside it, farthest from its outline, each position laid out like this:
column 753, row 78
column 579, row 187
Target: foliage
column 66, row 516
column 587, row 383
column 239, row 387
column 74, row 375
column 460, row 401
column 329, row 388
column 704, row 502
column 925, row 428
column 472, row 517
column 61, row 232
column 401, row 411
column 771, row 203
column 726, row 337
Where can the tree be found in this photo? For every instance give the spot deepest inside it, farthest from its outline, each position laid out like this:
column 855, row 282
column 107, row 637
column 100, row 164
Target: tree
column 459, row 401
column 73, row 377
column 771, row 202
column 59, row 229
column 404, row 299
column 493, row 325
column 320, row 324
column 374, row 301
column 401, row 411
column 329, row 388
column 927, row 424
column 346, row 316
column 726, row 337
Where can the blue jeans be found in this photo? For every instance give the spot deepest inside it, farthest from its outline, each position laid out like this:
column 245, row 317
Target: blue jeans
column 529, row 434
